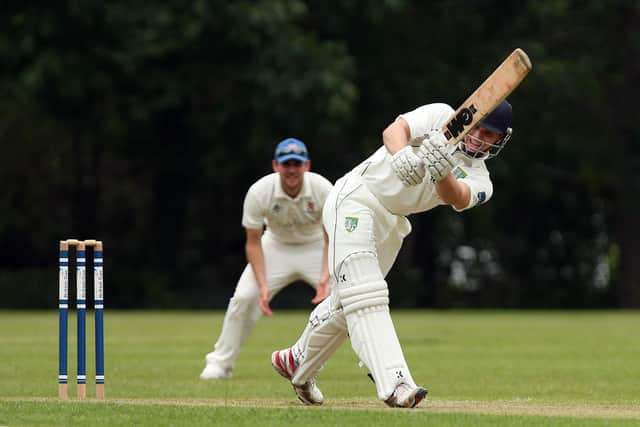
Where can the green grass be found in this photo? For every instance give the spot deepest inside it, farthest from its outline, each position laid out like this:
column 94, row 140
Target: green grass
column 481, row 368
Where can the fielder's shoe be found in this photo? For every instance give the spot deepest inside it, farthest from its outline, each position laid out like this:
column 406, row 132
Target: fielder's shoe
column 213, row 371
column 405, row 396
column 284, row 363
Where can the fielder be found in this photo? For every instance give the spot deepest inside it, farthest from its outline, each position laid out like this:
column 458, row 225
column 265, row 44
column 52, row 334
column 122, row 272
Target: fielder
column 289, row 203
column 365, row 217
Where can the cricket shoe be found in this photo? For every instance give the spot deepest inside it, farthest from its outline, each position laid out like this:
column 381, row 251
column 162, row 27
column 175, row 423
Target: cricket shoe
column 405, row 396
column 213, row 371
column 284, row 363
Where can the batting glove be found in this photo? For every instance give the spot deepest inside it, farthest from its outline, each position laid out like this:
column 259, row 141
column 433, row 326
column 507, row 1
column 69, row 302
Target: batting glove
column 435, row 153
column 408, row 167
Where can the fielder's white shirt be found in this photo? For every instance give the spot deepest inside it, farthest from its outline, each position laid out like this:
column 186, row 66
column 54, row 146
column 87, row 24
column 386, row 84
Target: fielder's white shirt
column 288, row 220
column 378, row 176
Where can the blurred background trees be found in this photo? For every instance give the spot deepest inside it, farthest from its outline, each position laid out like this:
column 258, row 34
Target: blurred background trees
column 144, row 124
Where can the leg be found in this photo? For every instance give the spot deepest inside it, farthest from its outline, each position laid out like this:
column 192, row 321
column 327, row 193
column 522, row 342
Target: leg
column 308, row 261
column 359, row 229
column 364, row 296
column 323, row 335
column 241, row 316
column 243, row 311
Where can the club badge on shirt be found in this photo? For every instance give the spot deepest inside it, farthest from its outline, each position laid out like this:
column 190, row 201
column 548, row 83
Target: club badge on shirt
column 350, row 223
column 458, row 172
column 310, row 207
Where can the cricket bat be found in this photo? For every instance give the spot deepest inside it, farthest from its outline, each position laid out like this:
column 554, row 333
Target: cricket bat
column 488, row 95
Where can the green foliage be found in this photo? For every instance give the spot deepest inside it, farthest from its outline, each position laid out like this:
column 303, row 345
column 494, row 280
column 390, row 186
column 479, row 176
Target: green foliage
column 144, row 124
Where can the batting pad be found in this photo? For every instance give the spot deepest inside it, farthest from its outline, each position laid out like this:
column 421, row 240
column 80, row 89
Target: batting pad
column 364, row 296
column 324, row 334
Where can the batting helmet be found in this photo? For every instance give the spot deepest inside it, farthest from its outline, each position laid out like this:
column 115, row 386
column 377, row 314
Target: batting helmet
column 499, row 120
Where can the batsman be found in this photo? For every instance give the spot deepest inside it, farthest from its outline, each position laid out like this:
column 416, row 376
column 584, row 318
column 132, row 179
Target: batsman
column 365, row 218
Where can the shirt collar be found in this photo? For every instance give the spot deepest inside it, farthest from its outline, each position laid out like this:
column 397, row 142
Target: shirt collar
column 467, row 160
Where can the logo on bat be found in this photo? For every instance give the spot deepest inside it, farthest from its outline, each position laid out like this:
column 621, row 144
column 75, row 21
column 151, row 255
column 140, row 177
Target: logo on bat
column 464, row 117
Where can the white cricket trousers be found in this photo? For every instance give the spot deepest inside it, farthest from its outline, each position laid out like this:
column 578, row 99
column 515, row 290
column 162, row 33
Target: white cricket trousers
column 364, row 240
column 284, row 263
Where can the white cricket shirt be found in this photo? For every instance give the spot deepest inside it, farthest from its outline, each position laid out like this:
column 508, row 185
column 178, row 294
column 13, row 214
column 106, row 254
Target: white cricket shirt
column 382, row 182
column 288, row 220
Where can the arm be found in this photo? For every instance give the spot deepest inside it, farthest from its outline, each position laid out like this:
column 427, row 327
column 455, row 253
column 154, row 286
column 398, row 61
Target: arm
column 255, row 256
column 436, row 154
column 453, row 192
column 396, row 136
column 405, row 164
column 322, row 290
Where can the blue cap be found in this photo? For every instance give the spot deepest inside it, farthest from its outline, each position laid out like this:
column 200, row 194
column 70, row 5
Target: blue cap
column 499, row 120
column 291, row 149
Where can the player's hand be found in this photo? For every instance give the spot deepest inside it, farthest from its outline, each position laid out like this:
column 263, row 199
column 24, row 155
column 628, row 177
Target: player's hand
column 408, row 167
column 436, row 154
column 322, row 290
column 264, row 301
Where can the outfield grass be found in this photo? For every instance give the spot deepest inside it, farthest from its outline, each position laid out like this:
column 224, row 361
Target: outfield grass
column 481, row 368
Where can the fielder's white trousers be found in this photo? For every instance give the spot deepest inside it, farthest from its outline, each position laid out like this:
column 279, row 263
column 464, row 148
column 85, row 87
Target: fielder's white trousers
column 284, row 264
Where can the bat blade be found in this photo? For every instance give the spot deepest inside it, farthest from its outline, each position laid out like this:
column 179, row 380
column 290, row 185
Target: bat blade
column 488, row 95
